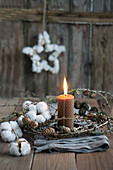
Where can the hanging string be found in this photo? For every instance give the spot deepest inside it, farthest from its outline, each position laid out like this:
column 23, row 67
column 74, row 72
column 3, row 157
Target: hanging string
column 44, row 14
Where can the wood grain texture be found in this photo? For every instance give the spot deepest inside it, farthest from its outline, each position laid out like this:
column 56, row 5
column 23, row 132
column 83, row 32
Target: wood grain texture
column 80, row 6
column 47, row 161
column 102, row 58
column 34, row 82
column 97, row 160
column 59, row 35
column 11, row 60
column 59, row 5
column 103, row 6
column 11, row 3
column 6, row 161
column 78, row 61
column 34, row 4
column 55, row 16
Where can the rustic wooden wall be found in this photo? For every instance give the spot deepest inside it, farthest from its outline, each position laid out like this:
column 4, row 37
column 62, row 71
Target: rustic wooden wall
column 86, row 63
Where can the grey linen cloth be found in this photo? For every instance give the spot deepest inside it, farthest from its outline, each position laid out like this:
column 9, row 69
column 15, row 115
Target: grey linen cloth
column 81, row 145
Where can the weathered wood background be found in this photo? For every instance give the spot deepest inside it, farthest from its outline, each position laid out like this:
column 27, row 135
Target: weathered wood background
column 87, row 62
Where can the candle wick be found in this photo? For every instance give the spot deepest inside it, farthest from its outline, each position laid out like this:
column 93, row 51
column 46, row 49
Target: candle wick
column 65, row 95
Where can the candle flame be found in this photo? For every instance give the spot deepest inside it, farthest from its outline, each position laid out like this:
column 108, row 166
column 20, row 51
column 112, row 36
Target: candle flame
column 65, row 86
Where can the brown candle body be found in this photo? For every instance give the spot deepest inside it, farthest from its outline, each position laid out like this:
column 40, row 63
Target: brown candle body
column 66, row 110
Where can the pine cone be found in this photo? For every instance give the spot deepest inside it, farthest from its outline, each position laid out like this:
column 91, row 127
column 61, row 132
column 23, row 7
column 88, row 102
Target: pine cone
column 85, row 93
column 92, row 95
column 34, row 124
column 26, row 121
column 48, row 132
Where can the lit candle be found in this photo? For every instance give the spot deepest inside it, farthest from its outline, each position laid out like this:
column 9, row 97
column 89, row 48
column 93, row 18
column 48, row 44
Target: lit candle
column 66, row 108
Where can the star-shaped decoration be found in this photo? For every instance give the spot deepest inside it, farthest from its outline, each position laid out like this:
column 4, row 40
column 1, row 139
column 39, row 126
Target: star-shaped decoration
column 44, row 45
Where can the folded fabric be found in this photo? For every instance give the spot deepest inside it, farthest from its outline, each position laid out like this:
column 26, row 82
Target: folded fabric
column 79, row 145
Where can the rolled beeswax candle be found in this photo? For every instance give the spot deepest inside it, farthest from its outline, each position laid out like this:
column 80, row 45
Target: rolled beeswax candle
column 66, row 110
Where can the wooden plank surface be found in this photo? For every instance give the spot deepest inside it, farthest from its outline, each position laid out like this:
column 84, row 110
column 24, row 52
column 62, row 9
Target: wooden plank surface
column 6, row 161
column 103, row 5
column 102, row 58
column 59, row 35
column 78, row 60
column 48, row 161
column 11, row 59
column 33, row 15
column 80, row 6
column 97, row 160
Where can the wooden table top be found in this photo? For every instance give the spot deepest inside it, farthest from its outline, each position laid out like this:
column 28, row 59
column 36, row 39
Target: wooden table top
column 48, row 161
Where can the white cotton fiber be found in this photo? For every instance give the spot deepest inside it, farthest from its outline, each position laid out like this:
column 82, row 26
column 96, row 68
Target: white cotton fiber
column 31, row 114
column 46, row 37
column 8, row 136
column 5, row 126
column 40, row 48
column 25, row 148
column 19, row 132
column 14, row 124
column 32, row 107
column 21, row 148
column 26, row 104
column 35, row 58
column 14, row 149
column 89, row 107
column 41, row 107
column 49, row 48
column 46, row 115
column 40, row 39
column 20, row 122
column 27, row 51
column 40, row 119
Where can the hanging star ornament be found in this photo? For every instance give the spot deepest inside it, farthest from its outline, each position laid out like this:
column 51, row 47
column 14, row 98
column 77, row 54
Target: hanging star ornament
column 44, row 45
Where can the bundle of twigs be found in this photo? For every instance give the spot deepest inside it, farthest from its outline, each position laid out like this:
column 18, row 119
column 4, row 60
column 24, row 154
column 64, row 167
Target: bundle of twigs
column 97, row 124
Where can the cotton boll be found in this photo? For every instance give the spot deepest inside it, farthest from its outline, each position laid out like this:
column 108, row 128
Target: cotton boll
column 41, row 107
column 19, row 132
column 27, row 51
column 51, row 58
column 26, row 104
column 35, row 58
column 18, row 148
column 39, row 48
column 39, row 69
column 20, row 122
column 31, row 114
column 25, row 148
column 14, row 124
column 46, row 115
column 55, row 47
column 45, row 65
column 40, row 119
column 49, row 48
column 34, row 67
column 14, row 149
column 46, row 37
column 32, row 107
column 62, row 48
column 8, row 136
column 40, row 39
column 5, row 126
column 55, row 69
column 46, row 68
column 55, row 54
